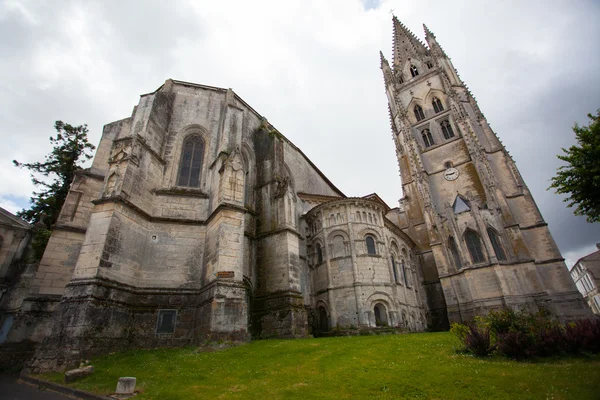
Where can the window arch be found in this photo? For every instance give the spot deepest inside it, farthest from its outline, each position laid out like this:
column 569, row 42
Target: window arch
column 247, row 183
column 190, row 165
column 496, row 244
column 437, row 105
column 427, row 138
column 419, row 115
column 447, row 129
column 380, row 315
column 319, row 253
column 414, row 71
column 370, row 245
column 474, row 246
column 454, row 252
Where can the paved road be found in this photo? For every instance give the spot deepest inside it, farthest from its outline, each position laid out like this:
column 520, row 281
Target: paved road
column 11, row 390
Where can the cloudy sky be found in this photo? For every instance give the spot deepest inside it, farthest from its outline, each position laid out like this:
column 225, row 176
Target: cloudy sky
column 312, row 69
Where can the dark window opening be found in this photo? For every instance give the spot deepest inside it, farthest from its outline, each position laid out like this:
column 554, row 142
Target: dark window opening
column 447, row 130
column 394, row 270
column 404, row 273
column 370, row 245
column 474, row 246
column 496, row 244
column 319, row 253
column 380, row 315
column 437, row 105
column 166, row 321
column 190, row 166
column 400, row 78
column 414, row 71
column 429, row 64
column 323, row 320
column 454, row 252
column 419, row 115
column 427, row 138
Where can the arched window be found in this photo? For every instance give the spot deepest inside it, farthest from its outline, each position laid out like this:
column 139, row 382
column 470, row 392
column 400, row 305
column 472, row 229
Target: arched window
column 370, row 245
column 496, row 244
column 447, row 129
column 190, row 165
column 474, row 246
column 380, row 315
column 400, row 78
column 414, row 71
column 319, row 253
column 454, row 253
column 429, row 64
column 247, row 183
column 394, row 270
column 403, row 266
column 419, row 115
column 427, row 138
column 437, row 105
column 358, row 216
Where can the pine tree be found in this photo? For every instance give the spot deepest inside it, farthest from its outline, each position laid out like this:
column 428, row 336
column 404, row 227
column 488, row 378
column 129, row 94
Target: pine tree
column 70, row 147
column 580, row 179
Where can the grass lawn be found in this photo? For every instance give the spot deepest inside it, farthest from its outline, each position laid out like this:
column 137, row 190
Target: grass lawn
column 414, row 366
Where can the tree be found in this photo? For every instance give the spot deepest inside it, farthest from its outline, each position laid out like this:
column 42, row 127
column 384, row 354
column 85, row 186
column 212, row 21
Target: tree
column 580, row 179
column 70, row 147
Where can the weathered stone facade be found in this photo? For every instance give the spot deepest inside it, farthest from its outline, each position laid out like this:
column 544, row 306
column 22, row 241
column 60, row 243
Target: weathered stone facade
column 199, row 220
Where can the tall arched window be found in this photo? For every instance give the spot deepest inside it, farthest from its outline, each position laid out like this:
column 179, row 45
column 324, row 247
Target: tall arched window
column 319, row 253
column 370, row 245
column 419, row 115
column 496, row 244
column 403, row 264
column 190, row 166
column 474, row 246
column 437, row 105
column 394, row 269
column 414, row 71
column 454, row 253
column 447, row 129
column 427, row 138
column 247, row 183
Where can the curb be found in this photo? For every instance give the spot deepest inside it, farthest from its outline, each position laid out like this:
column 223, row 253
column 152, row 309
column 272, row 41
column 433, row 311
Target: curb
column 46, row 385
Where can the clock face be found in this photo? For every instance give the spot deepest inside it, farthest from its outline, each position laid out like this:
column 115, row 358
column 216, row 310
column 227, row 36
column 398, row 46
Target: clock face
column 451, row 174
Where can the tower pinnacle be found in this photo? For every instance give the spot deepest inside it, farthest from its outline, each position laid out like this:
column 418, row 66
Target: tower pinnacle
column 406, row 44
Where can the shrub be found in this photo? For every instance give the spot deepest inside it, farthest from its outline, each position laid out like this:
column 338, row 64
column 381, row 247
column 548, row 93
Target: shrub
column 550, row 341
column 583, row 336
column 477, row 341
column 516, row 344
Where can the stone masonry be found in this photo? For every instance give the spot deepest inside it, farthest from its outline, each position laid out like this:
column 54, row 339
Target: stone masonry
column 198, row 220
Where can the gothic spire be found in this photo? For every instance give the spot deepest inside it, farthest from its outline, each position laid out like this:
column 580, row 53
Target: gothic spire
column 435, row 47
column 406, row 44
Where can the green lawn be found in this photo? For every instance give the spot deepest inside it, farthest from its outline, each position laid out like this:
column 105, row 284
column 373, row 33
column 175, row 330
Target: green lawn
column 413, row 366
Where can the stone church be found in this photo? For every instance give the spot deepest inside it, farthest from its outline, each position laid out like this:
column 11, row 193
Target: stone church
column 199, row 220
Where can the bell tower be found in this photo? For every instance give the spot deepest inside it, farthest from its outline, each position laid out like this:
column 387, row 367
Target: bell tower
column 483, row 243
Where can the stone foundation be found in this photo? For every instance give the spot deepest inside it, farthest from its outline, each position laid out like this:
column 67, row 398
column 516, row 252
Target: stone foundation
column 99, row 316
